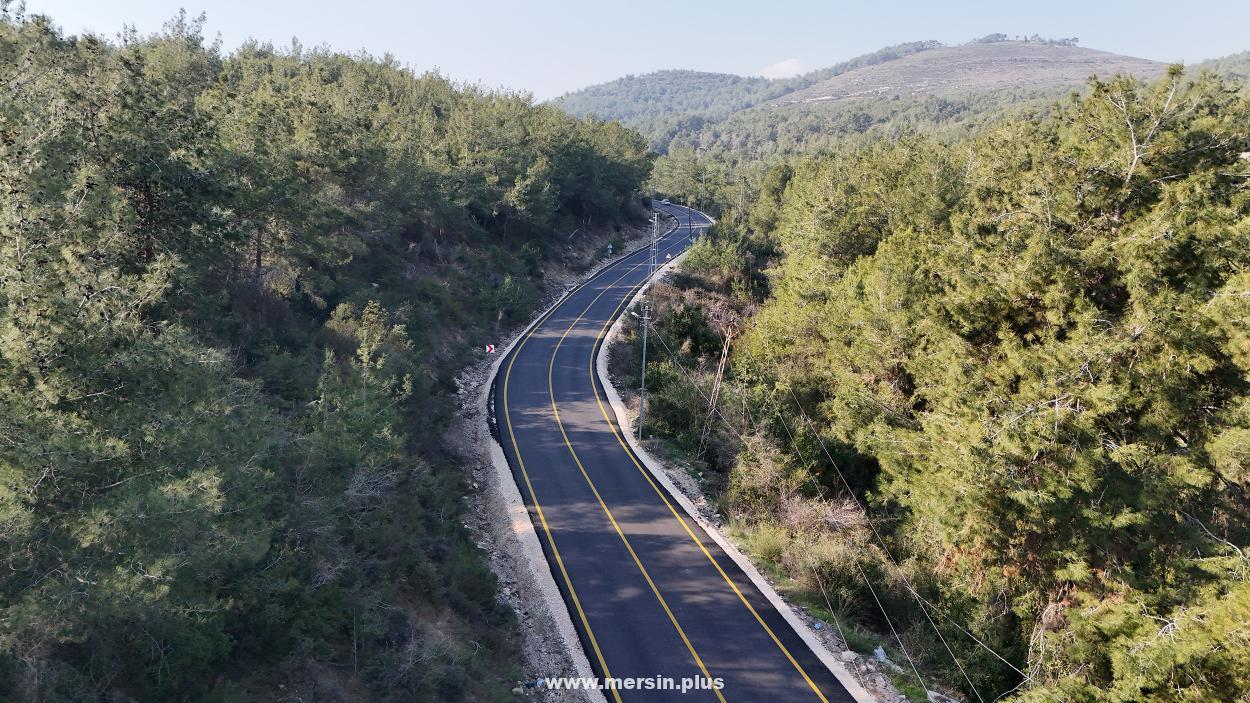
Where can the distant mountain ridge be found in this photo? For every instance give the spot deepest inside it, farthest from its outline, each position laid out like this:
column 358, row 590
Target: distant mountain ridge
column 637, row 99
column 978, row 66
column 918, row 86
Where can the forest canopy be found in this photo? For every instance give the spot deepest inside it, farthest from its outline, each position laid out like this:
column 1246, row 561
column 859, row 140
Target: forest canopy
column 234, row 292
column 1026, row 353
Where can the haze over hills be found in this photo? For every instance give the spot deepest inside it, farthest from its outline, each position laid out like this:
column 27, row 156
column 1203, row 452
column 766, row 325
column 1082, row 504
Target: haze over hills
column 916, row 86
column 977, row 66
column 636, row 100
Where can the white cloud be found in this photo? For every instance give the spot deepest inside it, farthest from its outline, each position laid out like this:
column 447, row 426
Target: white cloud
column 782, row 69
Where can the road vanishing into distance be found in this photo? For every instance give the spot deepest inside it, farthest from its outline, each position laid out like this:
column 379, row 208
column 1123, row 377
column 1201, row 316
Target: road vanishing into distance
column 650, row 594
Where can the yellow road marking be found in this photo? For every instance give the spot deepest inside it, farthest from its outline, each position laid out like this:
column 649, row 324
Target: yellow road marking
column 611, row 518
column 647, row 475
column 568, row 582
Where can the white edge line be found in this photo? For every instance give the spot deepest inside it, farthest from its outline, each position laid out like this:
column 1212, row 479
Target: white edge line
column 518, row 515
column 826, row 657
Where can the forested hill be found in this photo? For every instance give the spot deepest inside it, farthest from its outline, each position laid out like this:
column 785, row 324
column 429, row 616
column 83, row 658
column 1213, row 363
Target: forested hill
column 636, row 99
column 919, row 86
column 235, row 292
column 977, row 66
column 660, row 101
column 1235, row 67
column 991, row 394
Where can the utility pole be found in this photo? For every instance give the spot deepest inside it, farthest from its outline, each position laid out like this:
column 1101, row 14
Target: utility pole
column 642, row 388
column 702, row 183
column 646, row 320
column 655, row 242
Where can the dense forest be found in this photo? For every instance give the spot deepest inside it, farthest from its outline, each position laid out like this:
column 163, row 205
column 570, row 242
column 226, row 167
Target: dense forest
column 715, row 130
column 235, row 291
column 636, row 100
column 725, row 160
column 775, row 133
column 968, row 375
column 986, row 402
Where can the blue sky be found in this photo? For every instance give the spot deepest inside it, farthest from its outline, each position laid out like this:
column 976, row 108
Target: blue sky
column 549, row 47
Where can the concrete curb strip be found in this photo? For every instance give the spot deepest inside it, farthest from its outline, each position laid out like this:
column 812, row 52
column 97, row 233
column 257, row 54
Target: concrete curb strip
column 523, row 530
column 624, row 420
column 518, row 517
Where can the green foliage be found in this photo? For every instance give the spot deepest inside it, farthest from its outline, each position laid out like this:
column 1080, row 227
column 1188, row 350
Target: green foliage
column 229, row 320
column 636, row 99
column 728, row 115
column 777, row 132
column 718, row 159
column 1027, row 354
column 768, row 542
column 1033, row 336
column 859, row 641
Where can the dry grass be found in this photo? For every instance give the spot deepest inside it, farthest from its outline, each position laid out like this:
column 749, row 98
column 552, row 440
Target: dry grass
column 975, row 67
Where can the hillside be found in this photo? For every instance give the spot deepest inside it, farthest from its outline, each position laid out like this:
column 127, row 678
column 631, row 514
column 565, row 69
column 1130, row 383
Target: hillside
column 236, row 293
column 635, row 98
column 978, row 66
column 1003, row 380
column 953, row 89
column 1234, row 67
column 665, row 103
column 769, row 131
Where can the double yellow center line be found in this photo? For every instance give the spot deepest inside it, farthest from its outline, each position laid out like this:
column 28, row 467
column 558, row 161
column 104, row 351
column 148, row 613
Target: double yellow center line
column 681, row 520
column 542, row 518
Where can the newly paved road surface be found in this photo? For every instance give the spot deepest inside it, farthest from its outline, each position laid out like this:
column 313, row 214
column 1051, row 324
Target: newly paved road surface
column 650, row 593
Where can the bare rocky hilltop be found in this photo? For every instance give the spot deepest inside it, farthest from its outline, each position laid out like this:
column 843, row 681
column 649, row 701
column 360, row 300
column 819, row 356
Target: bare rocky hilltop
column 974, row 67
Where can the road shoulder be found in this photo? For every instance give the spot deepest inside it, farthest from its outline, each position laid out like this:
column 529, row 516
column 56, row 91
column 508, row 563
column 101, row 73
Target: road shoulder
column 500, row 522
column 687, row 494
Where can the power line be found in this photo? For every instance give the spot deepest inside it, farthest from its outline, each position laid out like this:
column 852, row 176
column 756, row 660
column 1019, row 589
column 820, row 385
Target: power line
column 867, row 583
column 924, row 603
column 652, row 254
column 864, row 576
column 885, row 548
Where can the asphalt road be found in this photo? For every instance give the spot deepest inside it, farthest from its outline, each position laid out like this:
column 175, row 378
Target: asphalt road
column 649, row 592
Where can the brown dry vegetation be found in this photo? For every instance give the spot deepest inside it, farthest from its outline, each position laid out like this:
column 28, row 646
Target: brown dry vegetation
column 1007, row 65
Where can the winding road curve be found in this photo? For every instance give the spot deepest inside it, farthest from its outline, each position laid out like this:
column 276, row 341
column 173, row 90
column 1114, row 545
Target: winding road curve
column 649, row 592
